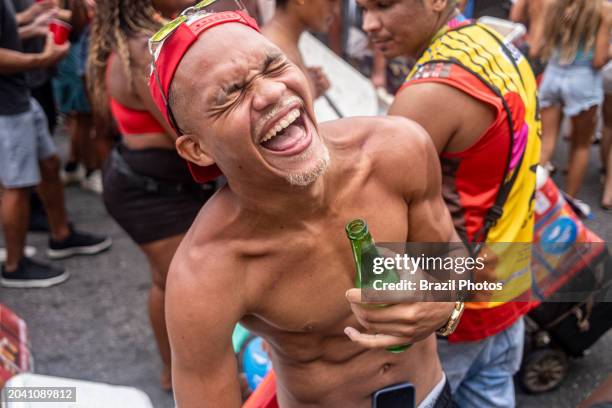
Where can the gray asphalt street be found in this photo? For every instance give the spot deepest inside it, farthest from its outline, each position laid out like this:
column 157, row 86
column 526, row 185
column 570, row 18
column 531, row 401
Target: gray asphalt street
column 95, row 326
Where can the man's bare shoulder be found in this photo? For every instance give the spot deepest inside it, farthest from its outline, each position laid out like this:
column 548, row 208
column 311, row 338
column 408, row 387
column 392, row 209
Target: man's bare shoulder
column 356, row 131
column 392, row 151
column 208, row 258
column 402, row 150
column 389, row 141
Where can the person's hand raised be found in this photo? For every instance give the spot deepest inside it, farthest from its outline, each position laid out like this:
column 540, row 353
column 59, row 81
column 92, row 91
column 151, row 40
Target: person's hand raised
column 37, row 9
column 319, row 79
column 41, row 22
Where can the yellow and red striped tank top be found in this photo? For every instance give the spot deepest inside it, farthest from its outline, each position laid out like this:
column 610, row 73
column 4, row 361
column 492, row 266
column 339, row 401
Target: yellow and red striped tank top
column 474, row 59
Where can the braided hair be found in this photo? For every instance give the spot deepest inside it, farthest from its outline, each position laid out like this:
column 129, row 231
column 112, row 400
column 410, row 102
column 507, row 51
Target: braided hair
column 571, row 24
column 115, row 21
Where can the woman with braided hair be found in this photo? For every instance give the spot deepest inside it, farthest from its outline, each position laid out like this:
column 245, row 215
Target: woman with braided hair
column 575, row 42
column 147, row 188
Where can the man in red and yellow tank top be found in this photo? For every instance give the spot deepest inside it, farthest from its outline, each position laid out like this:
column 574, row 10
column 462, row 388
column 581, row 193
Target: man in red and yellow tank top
column 476, row 96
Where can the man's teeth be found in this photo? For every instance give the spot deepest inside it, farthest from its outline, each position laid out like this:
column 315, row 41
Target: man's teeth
column 282, row 124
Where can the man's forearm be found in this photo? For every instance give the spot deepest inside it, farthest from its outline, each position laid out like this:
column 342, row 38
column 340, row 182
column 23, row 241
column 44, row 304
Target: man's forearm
column 13, row 61
column 28, row 31
column 25, row 17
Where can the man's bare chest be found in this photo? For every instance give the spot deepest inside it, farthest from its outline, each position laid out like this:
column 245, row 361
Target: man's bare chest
column 306, row 275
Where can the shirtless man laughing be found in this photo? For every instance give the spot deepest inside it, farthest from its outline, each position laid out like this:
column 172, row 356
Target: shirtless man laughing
column 269, row 249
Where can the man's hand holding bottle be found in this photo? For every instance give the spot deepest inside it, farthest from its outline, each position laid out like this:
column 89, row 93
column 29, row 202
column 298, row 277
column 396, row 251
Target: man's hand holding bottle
column 395, row 324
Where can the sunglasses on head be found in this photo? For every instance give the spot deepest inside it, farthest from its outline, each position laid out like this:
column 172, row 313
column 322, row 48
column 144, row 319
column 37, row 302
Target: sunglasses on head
column 188, row 16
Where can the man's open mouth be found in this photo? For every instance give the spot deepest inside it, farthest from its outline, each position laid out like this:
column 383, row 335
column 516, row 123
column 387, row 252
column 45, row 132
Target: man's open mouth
column 289, row 133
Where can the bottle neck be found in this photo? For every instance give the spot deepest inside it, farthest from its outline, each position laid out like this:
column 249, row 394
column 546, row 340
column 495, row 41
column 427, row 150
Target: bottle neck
column 357, row 231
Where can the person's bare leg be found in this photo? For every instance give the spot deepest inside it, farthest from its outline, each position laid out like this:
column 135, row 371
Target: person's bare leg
column 606, row 152
column 103, row 145
column 83, row 134
column 104, row 141
column 606, row 132
column 601, row 395
column 71, row 128
column 606, row 199
column 51, row 192
column 583, row 127
column 159, row 255
column 551, row 119
column 15, row 207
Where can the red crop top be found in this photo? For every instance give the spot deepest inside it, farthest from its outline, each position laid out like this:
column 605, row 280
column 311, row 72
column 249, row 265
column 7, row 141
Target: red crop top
column 132, row 121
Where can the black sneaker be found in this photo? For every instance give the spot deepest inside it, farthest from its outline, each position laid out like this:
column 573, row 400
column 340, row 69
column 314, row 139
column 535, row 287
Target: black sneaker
column 33, row 274
column 78, row 243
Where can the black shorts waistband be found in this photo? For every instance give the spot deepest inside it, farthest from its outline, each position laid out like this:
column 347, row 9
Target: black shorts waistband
column 123, row 161
column 161, row 164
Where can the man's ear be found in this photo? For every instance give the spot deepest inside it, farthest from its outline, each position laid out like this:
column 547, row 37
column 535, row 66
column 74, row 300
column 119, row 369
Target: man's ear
column 190, row 149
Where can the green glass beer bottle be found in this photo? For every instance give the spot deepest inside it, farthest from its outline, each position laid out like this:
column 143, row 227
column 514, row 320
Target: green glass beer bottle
column 364, row 253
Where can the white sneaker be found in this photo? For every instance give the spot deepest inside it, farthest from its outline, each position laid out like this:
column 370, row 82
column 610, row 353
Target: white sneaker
column 93, row 182
column 73, row 177
column 583, row 208
column 28, row 251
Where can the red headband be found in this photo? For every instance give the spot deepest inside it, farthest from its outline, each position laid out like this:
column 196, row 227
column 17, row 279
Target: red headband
column 167, row 61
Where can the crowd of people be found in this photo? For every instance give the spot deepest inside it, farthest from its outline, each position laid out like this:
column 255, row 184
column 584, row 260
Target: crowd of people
column 572, row 84
column 200, row 135
column 29, row 156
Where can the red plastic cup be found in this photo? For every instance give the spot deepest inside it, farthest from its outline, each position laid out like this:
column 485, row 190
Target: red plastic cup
column 61, row 30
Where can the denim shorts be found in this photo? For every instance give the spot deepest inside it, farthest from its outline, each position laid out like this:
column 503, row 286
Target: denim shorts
column 576, row 88
column 480, row 373
column 24, row 140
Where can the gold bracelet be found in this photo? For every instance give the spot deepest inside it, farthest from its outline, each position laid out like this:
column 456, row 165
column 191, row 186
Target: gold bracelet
column 453, row 321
